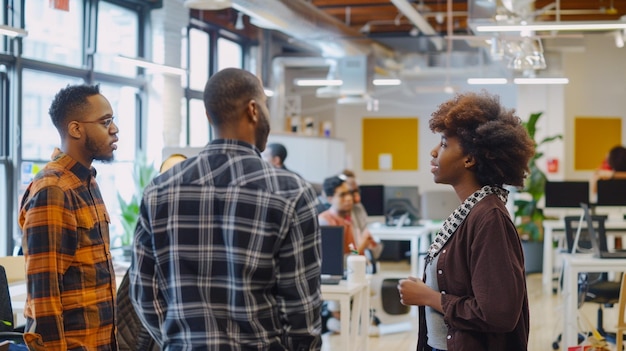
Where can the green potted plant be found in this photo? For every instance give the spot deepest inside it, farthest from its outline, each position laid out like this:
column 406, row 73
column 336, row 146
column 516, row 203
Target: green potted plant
column 528, row 216
column 143, row 173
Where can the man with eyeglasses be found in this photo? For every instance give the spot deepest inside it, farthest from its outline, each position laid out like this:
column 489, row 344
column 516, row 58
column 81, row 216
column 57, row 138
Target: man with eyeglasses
column 70, row 277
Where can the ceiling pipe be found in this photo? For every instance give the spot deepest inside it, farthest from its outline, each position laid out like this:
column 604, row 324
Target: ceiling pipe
column 303, row 21
column 419, row 21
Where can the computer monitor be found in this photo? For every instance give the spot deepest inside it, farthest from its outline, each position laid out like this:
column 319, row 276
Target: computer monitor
column 332, row 250
column 611, row 192
column 372, row 198
column 411, row 193
column 566, row 194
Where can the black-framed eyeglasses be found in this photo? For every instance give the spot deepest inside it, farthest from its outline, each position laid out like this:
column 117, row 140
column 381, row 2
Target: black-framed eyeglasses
column 106, row 123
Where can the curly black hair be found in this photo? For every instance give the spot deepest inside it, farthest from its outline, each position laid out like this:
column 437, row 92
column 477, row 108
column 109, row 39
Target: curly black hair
column 69, row 102
column 490, row 133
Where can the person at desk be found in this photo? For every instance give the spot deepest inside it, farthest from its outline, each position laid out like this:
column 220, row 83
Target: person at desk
column 341, row 200
column 69, row 272
column 613, row 167
column 474, row 296
column 359, row 214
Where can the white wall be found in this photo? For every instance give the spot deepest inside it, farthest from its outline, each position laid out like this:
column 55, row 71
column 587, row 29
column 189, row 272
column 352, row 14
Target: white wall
column 314, row 158
column 397, row 102
column 597, row 88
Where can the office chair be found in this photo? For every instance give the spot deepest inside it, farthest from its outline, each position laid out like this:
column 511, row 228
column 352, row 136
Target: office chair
column 8, row 331
column 592, row 287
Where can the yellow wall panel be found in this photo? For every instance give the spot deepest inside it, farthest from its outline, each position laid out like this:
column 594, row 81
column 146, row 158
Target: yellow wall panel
column 593, row 138
column 390, row 143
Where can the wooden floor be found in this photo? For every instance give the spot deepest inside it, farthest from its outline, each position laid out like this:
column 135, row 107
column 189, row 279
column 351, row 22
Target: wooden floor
column 545, row 318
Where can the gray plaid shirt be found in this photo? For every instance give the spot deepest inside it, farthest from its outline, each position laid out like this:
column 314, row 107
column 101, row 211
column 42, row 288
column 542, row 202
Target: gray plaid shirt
column 227, row 255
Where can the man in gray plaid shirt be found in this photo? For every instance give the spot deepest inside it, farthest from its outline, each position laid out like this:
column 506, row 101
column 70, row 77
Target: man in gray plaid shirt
column 227, row 248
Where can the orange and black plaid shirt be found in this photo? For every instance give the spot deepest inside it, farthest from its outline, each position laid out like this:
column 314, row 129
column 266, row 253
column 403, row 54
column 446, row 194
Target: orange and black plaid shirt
column 70, row 278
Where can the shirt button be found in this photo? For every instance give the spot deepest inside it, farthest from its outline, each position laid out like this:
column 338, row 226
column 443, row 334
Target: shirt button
column 444, row 251
column 440, row 271
column 443, row 292
column 449, row 337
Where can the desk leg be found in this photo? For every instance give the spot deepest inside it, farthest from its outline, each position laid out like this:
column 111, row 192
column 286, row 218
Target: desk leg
column 346, row 322
column 570, row 308
column 548, row 264
column 365, row 319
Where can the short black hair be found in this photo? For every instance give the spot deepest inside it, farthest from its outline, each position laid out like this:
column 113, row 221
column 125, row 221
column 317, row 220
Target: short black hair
column 332, row 183
column 279, row 150
column 226, row 92
column 617, row 158
column 68, row 102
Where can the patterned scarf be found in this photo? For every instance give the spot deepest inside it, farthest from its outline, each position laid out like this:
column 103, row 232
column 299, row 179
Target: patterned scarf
column 457, row 217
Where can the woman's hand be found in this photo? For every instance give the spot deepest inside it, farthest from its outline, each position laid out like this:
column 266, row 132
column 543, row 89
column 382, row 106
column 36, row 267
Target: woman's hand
column 413, row 291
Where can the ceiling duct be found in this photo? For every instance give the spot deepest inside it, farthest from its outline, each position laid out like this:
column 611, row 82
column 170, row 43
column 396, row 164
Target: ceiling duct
column 303, row 21
column 419, row 21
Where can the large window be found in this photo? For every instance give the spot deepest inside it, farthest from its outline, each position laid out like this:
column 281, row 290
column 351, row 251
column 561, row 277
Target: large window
column 55, row 53
column 229, row 54
column 196, row 130
column 54, row 36
column 40, row 137
column 118, row 32
column 198, row 59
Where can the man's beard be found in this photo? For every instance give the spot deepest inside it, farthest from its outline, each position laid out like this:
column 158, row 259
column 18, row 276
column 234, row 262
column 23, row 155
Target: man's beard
column 96, row 153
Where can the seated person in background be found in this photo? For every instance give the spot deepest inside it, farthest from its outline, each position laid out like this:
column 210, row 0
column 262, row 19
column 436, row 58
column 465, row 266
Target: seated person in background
column 276, row 154
column 613, row 167
column 341, row 202
column 359, row 214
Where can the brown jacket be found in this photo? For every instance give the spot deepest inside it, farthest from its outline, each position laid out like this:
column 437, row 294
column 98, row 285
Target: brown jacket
column 483, row 284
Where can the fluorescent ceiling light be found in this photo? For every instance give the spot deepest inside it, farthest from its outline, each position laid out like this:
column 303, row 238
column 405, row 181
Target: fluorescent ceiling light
column 476, row 81
column 551, row 26
column 12, row 32
column 208, row 4
column 541, row 81
column 317, row 82
column 387, row 81
column 150, row 65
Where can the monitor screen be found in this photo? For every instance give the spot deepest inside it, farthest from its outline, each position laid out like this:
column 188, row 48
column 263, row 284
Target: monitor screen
column 410, row 193
column 567, row 193
column 372, row 198
column 611, row 192
column 332, row 250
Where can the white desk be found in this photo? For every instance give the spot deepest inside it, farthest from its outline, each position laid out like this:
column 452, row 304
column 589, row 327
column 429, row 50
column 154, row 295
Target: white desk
column 549, row 227
column 418, row 236
column 355, row 323
column 572, row 265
